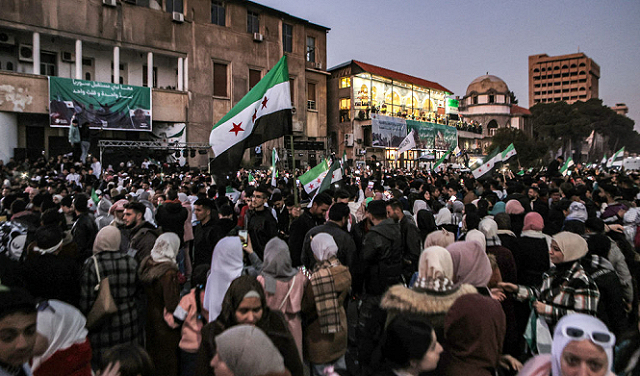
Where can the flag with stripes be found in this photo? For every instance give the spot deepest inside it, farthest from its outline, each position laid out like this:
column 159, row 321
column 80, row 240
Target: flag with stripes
column 616, row 159
column 564, row 170
column 312, row 179
column 274, row 166
column 439, row 164
column 488, row 164
column 333, row 175
column 509, row 152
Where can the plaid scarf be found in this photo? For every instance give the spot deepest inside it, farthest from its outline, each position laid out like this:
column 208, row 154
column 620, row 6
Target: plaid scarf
column 493, row 241
column 326, row 297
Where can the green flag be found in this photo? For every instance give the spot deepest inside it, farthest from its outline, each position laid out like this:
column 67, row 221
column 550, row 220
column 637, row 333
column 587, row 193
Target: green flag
column 312, row 179
column 94, row 196
column 251, row 178
column 274, row 167
column 565, row 168
column 333, row 175
column 488, row 164
column 438, row 164
column 509, row 152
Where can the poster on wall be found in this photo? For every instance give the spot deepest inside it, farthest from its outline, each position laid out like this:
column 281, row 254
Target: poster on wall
column 425, row 133
column 387, row 131
column 104, row 105
column 446, row 137
column 170, row 133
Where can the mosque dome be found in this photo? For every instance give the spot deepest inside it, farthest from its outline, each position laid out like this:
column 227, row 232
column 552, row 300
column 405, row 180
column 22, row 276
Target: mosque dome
column 486, row 83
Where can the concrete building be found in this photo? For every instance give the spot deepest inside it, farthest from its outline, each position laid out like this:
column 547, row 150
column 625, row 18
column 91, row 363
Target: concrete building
column 356, row 90
column 620, row 109
column 568, row 78
column 487, row 103
column 200, row 60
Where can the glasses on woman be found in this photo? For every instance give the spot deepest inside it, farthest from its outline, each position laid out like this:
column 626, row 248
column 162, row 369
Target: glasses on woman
column 603, row 339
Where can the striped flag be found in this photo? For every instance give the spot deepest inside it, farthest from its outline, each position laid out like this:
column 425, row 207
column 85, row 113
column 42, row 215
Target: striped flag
column 438, row 166
column 488, row 164
column 312, row 179
column 616, row 159
column 603, row 162
column 509, row 152
column 565, row 168
column 261, row 115
column 333, row 175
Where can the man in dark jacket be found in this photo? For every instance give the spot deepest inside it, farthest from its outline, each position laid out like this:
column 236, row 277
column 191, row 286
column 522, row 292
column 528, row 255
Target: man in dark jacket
column 335, row 226
column 143, row 234
column 206, row 233
column 411, row 240
column 260, row 222
column 309, row 219
column 171, row 215
column 84, row 229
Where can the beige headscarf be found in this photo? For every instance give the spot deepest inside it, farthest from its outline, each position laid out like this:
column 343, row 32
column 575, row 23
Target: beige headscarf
column 107, row 240
column 248, row 351
column 478, row 237
column 166, row 248
column 435, row 261
column 440, row 238
column 572, row 246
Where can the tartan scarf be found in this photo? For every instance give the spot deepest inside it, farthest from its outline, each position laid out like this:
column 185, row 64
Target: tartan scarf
column 494, row 241
column 326, row 297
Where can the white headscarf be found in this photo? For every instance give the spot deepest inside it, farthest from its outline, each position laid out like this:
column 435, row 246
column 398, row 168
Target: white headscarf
column 166, row 248
column 226, row 265
column 417, row 206
column 581, row 321
column 478, row 237
column 323, row 246
column 443, row 217
column 63, row 325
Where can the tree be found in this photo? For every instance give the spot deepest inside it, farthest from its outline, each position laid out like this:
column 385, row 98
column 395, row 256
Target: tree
column 530, row 151
column 512, row 97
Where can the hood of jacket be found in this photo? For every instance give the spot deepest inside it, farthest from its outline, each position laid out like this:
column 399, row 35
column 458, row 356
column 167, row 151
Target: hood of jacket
column 150, row 270
column 403, row 299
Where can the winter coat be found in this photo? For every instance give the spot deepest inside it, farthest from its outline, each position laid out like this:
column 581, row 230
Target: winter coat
column 298, row 229
column 171, row 217
column 346, row 246
column 141, row 240
column 382, row 257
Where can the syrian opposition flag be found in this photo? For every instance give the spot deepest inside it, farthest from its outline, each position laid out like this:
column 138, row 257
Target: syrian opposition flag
column 343, row 161
column 616, row 159
column 509, row 152
column 408, row 143
column 603, row 162
column 565, row 168
column 333, row 175
column 488, row 164
column 439, row 164
column 312, row 179
column 263, row 114
column 274, row 167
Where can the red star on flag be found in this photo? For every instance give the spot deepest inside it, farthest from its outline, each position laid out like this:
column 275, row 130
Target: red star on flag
column 333, row 176
column 255, row 115
column 319, row 180
column 264, row 103
column 311, row 186
column 487, row 165
column 236, row 128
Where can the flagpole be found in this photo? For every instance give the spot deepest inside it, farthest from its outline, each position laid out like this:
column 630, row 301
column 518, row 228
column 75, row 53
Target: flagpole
column 293, row 172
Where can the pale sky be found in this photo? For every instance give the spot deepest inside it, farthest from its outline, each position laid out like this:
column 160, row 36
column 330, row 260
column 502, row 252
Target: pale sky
column 453, row 42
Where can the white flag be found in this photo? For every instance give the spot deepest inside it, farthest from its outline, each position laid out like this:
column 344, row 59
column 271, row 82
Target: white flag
column 408, row 143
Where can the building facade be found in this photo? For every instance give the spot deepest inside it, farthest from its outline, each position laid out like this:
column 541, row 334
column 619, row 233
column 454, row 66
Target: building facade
column 487, row 104
column 569, row 78
column 200, row 57
column 357, row 90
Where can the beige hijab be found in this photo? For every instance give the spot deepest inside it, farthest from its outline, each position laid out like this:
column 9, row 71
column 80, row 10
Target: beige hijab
column 434, row 262
column 107, row 240
column 440, row 238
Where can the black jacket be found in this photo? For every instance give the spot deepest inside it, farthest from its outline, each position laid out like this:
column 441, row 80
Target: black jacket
column 262, row 226
column 411, row 245
column 171, row 216
column 298, row 230
column 382, row 256
column 84, row 232
column 205, row 238
column 346, row 246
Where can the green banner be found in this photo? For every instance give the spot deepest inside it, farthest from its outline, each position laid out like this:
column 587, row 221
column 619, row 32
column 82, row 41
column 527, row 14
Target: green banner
column 446, row 137
column 101, row 104
column 425, row 134
column 433, row 135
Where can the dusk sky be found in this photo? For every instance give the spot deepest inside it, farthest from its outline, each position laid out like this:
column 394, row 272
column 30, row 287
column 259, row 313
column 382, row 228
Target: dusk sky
column 453, row 42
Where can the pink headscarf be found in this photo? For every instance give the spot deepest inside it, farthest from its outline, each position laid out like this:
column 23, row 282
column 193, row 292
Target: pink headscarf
column 470, row 263
column 119, row 205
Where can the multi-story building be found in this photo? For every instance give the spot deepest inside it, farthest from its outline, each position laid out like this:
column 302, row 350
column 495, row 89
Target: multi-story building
column 357, row 90
column 199, row 57
column 569, row 78
column 620, row 109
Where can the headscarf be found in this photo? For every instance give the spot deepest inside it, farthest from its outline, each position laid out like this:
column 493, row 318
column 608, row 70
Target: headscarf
column 277, row 264
column 581, row 321
column 226, row 265
column 441, row 238
column 443, row 217
column 166, row 248
column 103, row 206
column 470, row 263
column 247, row 351
column 234, row 296
column 577, row 212
column 107, row 240
column 62, row 324
column 498, row 208
column 435, row 260
column 474, row 328
column 417, row 206
column 572, row 246
column 425, row 221
column 478, row 237
column 514, row 207
column 323, row 246
column 489, row 228
column 119, row 205
column 533, row 221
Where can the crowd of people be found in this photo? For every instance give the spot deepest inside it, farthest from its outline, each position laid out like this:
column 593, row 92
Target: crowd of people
column 385, row 273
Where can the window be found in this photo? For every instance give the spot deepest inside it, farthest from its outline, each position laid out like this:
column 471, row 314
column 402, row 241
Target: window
column 220, row 86
column 254, row 77
column 345, row 82
column 311, row 96
column 345, row 103
column 174, row 6
column 121, row 68
column 87, row 76
column 345, row 109
column 292, row 87
column 287, row 37
column 217, row 13
column 48, row 63
column 145, row 79
column 492, row 98
column 475, row 99
column 253, row 22
column 311, row 49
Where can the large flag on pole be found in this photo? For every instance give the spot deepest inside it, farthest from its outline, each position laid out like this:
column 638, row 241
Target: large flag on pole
column 616, row 159
column 509, row 152
column 333, row 175
column 274, row 166
column 263, row 114
column 488, row 164
column 312, row 179
column 439, row 164
column 565, row 168
column 408, row 143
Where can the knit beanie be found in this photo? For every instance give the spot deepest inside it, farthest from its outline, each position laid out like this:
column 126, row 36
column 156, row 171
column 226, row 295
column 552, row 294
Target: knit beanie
column 514, row 207
column 533, row 221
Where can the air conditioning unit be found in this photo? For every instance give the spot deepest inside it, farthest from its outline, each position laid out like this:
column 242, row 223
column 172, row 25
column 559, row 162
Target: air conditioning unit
column 178, row 17
column 68, row 57
column 109, row 3
column 257, row 37
column 317, row 65
column 25, row 53
column 7, row 40
column 348, row 139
